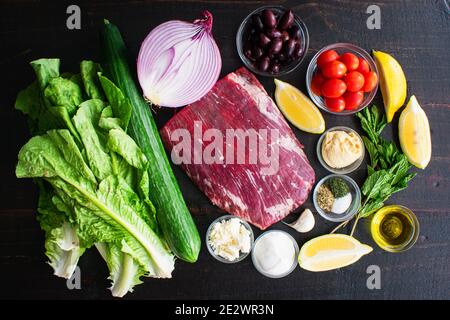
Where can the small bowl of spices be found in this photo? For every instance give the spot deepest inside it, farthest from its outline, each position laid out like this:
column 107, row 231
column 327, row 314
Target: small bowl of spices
column 340, row 150
column 337, row 197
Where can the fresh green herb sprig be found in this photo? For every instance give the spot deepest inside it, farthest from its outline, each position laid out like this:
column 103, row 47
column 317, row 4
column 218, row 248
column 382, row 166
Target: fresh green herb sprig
column 388, row 171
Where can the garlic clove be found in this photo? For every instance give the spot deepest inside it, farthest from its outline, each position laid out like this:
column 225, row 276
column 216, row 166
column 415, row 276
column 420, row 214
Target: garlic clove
column 304, row 223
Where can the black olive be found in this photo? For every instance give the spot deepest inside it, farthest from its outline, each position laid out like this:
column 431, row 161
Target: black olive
column 248, row 51
column 257, row 52
column 275, row 46
column 248, row 54
column 288, row 48
column 285, row 36
column 269, row 19
column 294, row 32
column 263, row 64
column 273, row 33
column 257, row 23
column 286, row 20
column 254, row 37
column 274, row 67
column 263, row 40
column 298, row 51
column 282, row 57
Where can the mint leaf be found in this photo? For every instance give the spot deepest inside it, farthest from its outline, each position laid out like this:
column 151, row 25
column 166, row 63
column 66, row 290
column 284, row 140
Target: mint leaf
column 372, row 150
column 376, row 183
column 372, row 122
column 370, row 208
column 388, row 171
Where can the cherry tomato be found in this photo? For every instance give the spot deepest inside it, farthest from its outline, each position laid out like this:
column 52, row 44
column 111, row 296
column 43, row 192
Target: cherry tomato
column 333, row 88
column 327, row 56
column 334, row 69
column 370, row 81
column 353, row 99
column 363, row 66
column 335, row 104
column 354, row 81
column 316, row 83
column 350, row 60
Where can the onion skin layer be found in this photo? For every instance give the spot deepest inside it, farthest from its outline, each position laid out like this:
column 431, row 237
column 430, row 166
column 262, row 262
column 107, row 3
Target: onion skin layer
column 179, row 62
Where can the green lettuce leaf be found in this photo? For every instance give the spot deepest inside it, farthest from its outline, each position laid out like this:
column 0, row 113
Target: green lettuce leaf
column 107, row 120
column 28, row 101
column 120, row 104
column 109, row 213
column 125, row 272
column 89, row 70
column 120, row 142
column 45, row 70
column 63, row 92
column 62, row 245
column 62, row 119
column 63, row 249
column 93, row 178
column 86, row 122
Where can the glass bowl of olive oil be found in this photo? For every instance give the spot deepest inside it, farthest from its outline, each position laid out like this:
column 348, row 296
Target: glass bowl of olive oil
column 394, row 228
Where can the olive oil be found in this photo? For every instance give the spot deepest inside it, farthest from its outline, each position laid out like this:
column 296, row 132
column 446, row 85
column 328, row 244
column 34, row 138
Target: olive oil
column 395, row 228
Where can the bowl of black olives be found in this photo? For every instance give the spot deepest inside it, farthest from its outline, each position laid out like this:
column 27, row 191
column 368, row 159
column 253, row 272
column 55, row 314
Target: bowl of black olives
column 272, row 41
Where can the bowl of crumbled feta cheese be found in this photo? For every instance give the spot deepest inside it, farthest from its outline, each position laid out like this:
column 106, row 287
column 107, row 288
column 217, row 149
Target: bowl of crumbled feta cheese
column 229, row 239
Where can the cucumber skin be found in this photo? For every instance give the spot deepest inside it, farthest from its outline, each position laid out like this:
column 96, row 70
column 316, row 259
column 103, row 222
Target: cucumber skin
column 174, row 218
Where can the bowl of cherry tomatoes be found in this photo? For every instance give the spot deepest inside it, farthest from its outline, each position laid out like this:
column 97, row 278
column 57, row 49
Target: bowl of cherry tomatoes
column 342, row 79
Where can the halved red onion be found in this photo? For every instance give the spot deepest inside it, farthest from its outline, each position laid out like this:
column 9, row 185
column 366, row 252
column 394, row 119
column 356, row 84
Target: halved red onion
column 179, row 62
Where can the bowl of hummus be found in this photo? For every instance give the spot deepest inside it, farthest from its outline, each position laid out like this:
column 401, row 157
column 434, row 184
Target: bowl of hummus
column 340, row 150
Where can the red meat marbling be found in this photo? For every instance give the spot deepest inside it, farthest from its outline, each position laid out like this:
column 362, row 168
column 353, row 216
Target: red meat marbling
column 239, row 101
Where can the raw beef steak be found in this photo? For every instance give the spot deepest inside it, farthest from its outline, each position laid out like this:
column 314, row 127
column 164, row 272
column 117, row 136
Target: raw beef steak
column 260, row 192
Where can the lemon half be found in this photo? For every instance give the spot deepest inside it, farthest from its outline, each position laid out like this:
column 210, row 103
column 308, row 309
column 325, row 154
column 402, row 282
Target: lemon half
column 414, row 133
column 298, row 108
column 331, row 251
column 392, row 83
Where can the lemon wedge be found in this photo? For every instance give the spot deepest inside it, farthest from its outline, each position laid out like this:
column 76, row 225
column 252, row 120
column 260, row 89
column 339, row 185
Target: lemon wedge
column 331, row 251
column 392, row 83
column 298, row 108
column 415, row 137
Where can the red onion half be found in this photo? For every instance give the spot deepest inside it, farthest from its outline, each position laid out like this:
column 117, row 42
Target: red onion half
column 179, row 62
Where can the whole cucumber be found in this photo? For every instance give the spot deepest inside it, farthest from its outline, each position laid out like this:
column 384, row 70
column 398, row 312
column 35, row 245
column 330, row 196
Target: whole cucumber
column 173, row 216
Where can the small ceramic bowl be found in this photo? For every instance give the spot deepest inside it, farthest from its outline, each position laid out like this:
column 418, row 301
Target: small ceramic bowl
column 243, row 33
column 352, row 209
column 350, row 168
column 211, row 250
column 341, row 48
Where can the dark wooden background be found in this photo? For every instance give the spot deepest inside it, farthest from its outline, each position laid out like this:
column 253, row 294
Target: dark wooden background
column 416, row 32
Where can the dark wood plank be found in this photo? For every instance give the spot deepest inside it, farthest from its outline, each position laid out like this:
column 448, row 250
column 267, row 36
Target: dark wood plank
column 415, row 32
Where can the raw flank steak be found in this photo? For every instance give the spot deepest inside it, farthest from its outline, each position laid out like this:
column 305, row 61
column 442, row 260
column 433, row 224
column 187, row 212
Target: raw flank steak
column 259, row 192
